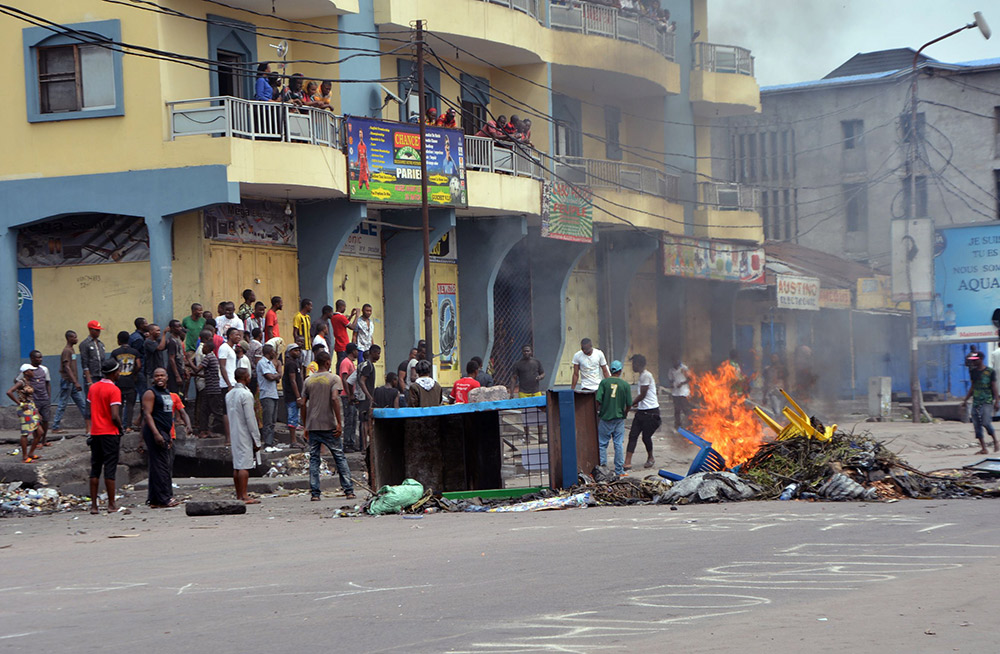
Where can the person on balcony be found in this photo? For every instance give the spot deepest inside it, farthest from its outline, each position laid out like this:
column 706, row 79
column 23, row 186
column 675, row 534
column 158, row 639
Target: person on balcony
column 447, row 119
column 293, row 93
column 431, row 117
column 491, row 130
column 263, row 91
column 322, row 99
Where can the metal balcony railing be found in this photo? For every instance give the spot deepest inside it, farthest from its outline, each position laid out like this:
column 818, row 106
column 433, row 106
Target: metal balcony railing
column 488, row 155
column 252, row 119
column 613, row 23
column 533, row 8
column 618, row 175
column 716, row 58
column 728, row 197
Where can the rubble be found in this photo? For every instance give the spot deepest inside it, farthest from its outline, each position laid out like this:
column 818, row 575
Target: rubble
column 296, row 464
column 710, row 487
column 14, row 499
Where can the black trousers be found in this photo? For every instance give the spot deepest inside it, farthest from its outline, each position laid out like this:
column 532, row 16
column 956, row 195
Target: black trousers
column 160, row 481
column 682, row 407
column 645, row 422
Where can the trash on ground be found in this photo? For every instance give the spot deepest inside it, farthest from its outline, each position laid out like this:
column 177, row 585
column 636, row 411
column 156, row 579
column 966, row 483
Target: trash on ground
column 710, row 487
column 393, row 499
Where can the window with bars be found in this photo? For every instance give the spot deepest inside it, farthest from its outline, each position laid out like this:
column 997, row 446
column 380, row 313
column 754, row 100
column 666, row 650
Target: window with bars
column 853, row 132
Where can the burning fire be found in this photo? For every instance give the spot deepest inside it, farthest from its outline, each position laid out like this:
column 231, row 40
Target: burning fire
column 723, row 417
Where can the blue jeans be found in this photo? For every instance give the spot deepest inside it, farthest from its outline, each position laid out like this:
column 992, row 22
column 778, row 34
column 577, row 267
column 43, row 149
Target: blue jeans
column 336, row 446
column 293, row 414
column 68, row 390
column 608, row 430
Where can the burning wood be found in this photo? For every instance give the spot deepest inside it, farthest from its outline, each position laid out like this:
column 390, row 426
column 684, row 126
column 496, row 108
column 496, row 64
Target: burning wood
column 723, row 416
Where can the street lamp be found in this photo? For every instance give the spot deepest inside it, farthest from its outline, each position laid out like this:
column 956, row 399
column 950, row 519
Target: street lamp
column 912, row 156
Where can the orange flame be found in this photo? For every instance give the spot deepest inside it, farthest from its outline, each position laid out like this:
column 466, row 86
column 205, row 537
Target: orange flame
column 723, row 417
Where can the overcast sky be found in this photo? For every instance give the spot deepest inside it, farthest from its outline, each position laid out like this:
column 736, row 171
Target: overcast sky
column 800, row 40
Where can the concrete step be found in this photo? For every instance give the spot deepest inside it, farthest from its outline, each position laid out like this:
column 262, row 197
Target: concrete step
column 263, row 485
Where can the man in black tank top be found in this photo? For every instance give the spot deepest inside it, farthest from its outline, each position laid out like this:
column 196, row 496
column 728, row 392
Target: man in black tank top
column 158, row 418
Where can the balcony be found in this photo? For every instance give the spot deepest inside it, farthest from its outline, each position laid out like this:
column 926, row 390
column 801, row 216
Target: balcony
column 254, row 120
column 612, row 23
column 487, row 155
column 728, row 211
column 617, row 175
column 534, row 8
column 722, row 81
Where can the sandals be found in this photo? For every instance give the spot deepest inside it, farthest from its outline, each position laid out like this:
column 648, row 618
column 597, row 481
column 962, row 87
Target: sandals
column 650, row 462
column 350, row 496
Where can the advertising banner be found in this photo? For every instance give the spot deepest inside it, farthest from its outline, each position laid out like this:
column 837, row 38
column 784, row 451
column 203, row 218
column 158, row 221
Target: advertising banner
column 567, row 213
column 446, row 249
column 447, row 326
column 83, row 239
column 967, row 280
column 835, row 298
column 703, row 259
column 364, row 241
column 874, row 293
column 383, row 163
column 258, row 222
column 25, row 311
column 798, row 292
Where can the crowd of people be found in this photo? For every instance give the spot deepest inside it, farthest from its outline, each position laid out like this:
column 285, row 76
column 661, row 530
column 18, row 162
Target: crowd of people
column 514, row 130
column 268, row 87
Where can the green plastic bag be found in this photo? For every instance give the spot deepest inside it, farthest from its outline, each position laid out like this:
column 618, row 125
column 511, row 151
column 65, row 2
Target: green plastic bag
column 393, row 499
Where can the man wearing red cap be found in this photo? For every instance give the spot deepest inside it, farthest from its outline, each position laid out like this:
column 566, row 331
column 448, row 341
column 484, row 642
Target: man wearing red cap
column 91, row 356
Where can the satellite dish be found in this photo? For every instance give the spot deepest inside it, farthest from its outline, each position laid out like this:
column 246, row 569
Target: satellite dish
column 981, row 23
column 281, row 48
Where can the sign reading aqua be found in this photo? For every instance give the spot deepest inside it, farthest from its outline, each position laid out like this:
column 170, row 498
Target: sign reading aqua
column 967, row 279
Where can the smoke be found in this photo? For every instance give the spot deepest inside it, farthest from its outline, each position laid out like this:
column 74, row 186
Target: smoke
column 801, row 40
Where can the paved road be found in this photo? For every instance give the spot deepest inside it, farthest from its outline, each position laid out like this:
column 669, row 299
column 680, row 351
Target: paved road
column 910, row 576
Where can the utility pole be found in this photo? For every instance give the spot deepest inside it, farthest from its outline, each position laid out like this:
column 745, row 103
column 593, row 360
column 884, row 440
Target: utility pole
column 424, row 210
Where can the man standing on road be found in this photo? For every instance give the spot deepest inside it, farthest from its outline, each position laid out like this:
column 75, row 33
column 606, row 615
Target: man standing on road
column 679, row 378
column 91, row 356
column 614, row 397
column 528, row 373
column 157, row 425
column 41, row 382
column 484, row 378
column 350, row 405
column 228, row 320
column 985, row 400
column 647, row 415
column 69, row 385
column 364, row 331
column 268, row 374
column 323, row 425
column 176, row 371
column 228, row 359
column 128, row 369
column 136, row 338
column 291, row 385
column 256, row 320
column 244, row 437
column 105, row 401
column 366, row 385
column 340, row 324
column 247, row 308
column 154, row 353
column 460, row 389
column 193, row 324
column 271, row 329
column 302, row 323
column 589, row 367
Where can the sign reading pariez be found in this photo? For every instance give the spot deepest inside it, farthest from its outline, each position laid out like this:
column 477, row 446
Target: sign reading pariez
column 383, row 163
column 798, row 292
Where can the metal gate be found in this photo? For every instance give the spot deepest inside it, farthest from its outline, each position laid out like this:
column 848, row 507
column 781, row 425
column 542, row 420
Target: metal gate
column 512, row 318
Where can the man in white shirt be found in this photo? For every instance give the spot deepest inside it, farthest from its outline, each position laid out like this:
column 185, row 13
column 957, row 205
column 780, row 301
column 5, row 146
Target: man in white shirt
column 647, row 413
column 227, row 320
column 256, row 319
column 679, row 378
column 364, row 331
column 589, row 367
column 228, row 360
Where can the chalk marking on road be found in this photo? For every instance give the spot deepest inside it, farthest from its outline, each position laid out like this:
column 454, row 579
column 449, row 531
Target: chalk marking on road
column 535, row 527
column 824, row 550
column 22, row 635
column 834, row 525
column 361, row 590
column 9, row 588
column 926, row 529
column 759, row 527
column 95, row 589
column 180, row 591
column 743, row 601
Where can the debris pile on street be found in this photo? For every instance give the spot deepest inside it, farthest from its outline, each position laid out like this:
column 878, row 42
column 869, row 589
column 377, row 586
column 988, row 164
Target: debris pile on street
column 295, row 464
column 14, row 499
column 710, row 487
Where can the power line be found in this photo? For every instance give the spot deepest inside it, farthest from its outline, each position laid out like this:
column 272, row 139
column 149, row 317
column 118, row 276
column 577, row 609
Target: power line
column 949, row 106
column 320, row 29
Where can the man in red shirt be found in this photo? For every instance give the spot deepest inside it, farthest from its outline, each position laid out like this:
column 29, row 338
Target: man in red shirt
column 340, row 324
column 347, row 398
column 271, row 319
column 105, row 400
column 461, row 388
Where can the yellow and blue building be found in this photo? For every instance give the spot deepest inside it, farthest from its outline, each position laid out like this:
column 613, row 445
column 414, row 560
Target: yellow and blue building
column 136, row 184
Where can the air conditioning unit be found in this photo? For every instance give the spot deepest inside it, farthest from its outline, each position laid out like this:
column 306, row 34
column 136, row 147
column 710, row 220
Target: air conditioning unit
column 729, row 199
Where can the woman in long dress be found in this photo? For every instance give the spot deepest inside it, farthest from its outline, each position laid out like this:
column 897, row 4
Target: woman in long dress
column 158, row 418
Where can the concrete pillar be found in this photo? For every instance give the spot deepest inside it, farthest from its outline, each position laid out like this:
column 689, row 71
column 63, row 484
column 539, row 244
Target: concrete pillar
column 678, row 132
column 362, row 99
column 10, row 332
column 552, row 261
column 161, row 259
column 621, row 254
column 484, row 244
column 670, row 314
column 401, row 267
column 324, row 228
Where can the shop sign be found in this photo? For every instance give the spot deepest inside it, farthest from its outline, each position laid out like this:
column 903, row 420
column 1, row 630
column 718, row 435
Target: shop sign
column 874, row 293
column 835, row 298
column 383, row 163
column 795, row 292
column 447, row 326
column 364, row 241
column 256, row 222
column 567, row 212
column 718, row 260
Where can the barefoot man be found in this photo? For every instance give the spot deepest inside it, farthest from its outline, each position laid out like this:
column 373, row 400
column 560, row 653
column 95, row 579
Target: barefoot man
column 985, row 400
column 244, row 436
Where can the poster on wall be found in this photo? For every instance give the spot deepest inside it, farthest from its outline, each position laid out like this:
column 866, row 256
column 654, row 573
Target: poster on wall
column 383, row 163
column 25, row 311
column 447, row 326
column 446, row 249
column 794, row 292
column 874, row 293
column 83, row 239
column 966, row 281
column 567, row 212
column 364, row 241
column 705, row 259
column 259, row 222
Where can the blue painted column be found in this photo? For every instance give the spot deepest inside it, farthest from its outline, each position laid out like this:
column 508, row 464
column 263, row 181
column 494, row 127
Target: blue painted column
column 324, row 228
column 362, row 99
column 678, row 132
column 622, row 254
column 484, row 244
column 10, row 332
column 404, row 259
column 161, row 259
column 552, row 261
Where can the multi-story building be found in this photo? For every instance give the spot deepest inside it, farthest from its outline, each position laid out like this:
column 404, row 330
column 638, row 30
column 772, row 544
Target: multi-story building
column 142, row 176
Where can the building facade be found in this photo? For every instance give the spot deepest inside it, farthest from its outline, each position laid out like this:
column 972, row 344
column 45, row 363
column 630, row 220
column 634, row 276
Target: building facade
column 147, row 177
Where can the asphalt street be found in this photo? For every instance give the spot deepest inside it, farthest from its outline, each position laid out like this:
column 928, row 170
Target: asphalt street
column 909, row 576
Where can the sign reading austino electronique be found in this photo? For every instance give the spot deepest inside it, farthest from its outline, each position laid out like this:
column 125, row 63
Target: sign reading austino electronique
column 967, row 279
column 383, row 163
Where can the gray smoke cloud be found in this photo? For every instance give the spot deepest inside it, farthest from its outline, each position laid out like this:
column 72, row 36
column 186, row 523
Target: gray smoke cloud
column 800, row 40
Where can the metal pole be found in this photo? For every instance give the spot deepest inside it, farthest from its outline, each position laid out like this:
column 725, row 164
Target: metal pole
column 912, row 156
column 424, row 210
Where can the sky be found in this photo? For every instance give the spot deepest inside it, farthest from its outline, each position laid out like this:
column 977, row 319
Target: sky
column 801, row 40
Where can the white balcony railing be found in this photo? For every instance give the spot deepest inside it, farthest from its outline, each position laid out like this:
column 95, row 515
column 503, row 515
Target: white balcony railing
column 533, row 8
column 602, row 173
column 716, row 58
column 613, row 23
column 487, row 155
column 252, row 119
column 728, row 197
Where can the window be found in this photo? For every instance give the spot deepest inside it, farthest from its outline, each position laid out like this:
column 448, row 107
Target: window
column 921, row 196
column 66, row 78
column 856, row 207
column 233, row 44
column 853, row 132
column 407, row 89
column 904, row 126
column 473, row 117
column 475, row 99
column 612, row 125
